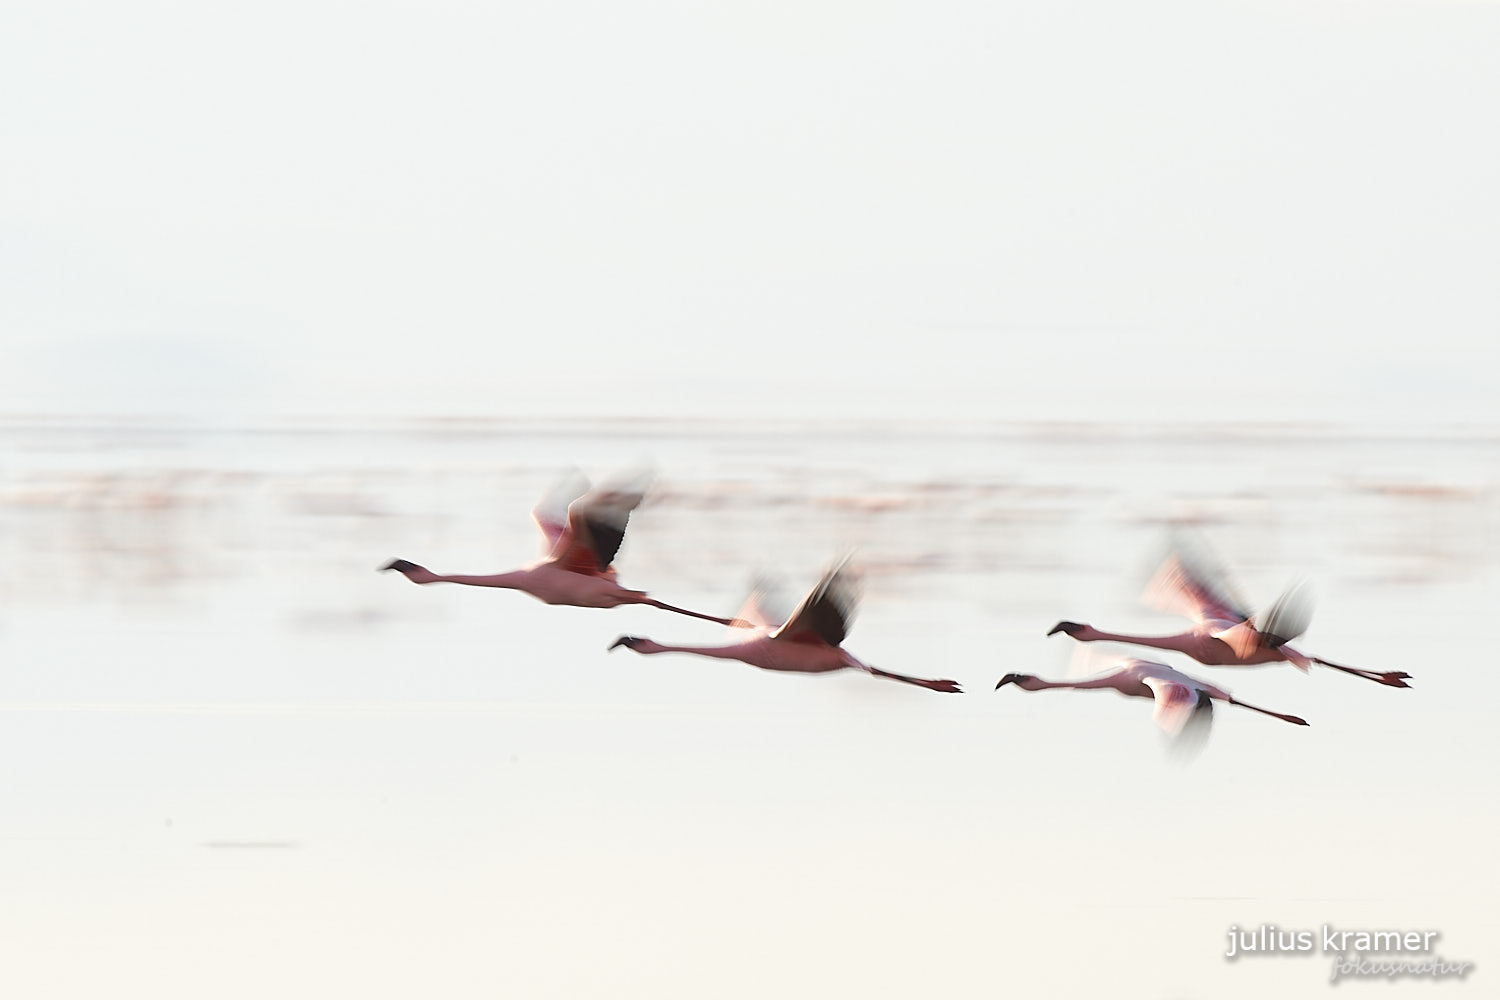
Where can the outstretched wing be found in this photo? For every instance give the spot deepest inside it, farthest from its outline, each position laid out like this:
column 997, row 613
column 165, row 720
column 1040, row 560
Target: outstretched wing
column 1273, row 628
column 1287, row 618
column 551, row 511
column 1191, row 583
column 827, row 610
column 596, row 527
column 765, row 607
column 1194, row 733
column 1176, row 704
column 1241, row 637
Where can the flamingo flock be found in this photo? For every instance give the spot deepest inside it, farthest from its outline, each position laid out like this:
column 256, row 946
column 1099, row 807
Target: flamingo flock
column 582, row 530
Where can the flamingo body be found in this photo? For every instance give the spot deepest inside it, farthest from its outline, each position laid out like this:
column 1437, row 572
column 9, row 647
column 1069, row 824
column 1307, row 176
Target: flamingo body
column 1224, row 634
column 553, row 584
column 760, row 650
column 1180, row 701
column 808, row 642
column 1201, row 643
column 581, row 543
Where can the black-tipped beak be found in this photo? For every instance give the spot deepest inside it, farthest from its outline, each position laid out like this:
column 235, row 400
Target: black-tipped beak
column 1007, row 679
column 399, row 565
column 1069, row 627
column 624, row 640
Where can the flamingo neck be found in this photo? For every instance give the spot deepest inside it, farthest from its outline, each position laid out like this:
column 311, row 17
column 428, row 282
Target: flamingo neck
column 1037, row 684
column 516, row 580
column 1178, row 643
column 720, row 652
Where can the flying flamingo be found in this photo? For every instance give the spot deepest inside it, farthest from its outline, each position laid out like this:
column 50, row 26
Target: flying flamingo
column 1183, row 703
column 809, row 641
column 1224, row 634
column 581, row 533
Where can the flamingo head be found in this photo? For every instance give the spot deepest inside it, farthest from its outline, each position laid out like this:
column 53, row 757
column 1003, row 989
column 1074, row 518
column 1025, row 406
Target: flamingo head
column 1019, row 680
column 410, row 570
column 636, row 643
column 1070, row 628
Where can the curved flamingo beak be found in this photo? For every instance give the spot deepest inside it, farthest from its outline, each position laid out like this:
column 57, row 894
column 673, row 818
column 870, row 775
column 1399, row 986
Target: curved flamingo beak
column 1071, row 628
column 1009, row 678
column 624, row 640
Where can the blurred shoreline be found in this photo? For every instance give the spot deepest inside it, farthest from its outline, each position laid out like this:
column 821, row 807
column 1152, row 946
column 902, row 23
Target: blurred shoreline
column 133, row 507
column 710, row 427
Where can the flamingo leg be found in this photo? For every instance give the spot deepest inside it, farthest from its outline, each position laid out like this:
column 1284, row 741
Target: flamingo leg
column 1394, row 678
column 1293, row 719
column 945, row 686
column 693, row 614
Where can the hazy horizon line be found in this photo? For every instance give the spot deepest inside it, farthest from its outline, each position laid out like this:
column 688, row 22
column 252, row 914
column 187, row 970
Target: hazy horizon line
column 707, row 425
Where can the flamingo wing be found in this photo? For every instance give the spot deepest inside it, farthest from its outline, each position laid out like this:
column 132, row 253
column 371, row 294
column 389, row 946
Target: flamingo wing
column 1272, row 629
column 1288, row 617
column 1176, row 704
column 825, row 613
column 1239, row 636
column 551, row 511
column 595, row 528
column 765, row 607
column 1188, row 584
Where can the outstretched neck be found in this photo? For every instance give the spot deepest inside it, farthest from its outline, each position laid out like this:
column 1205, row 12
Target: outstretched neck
column 1179, row 642
column 650, row 646
column 1037, row 684
column 515, row 580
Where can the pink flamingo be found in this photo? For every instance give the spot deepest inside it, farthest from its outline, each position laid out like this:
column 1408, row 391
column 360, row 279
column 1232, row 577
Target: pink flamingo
column 1183, row 703
column 809, row 641
column 1224, row 634
column 581, row 533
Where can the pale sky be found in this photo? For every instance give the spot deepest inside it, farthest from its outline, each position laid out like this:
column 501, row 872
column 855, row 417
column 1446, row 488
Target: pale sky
column 1257, row 211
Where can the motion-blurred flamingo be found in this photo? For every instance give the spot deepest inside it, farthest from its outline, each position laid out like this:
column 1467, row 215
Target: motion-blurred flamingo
column 808, row 641
column 1183, row 703
column 581, row 533
column 1224, row 634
